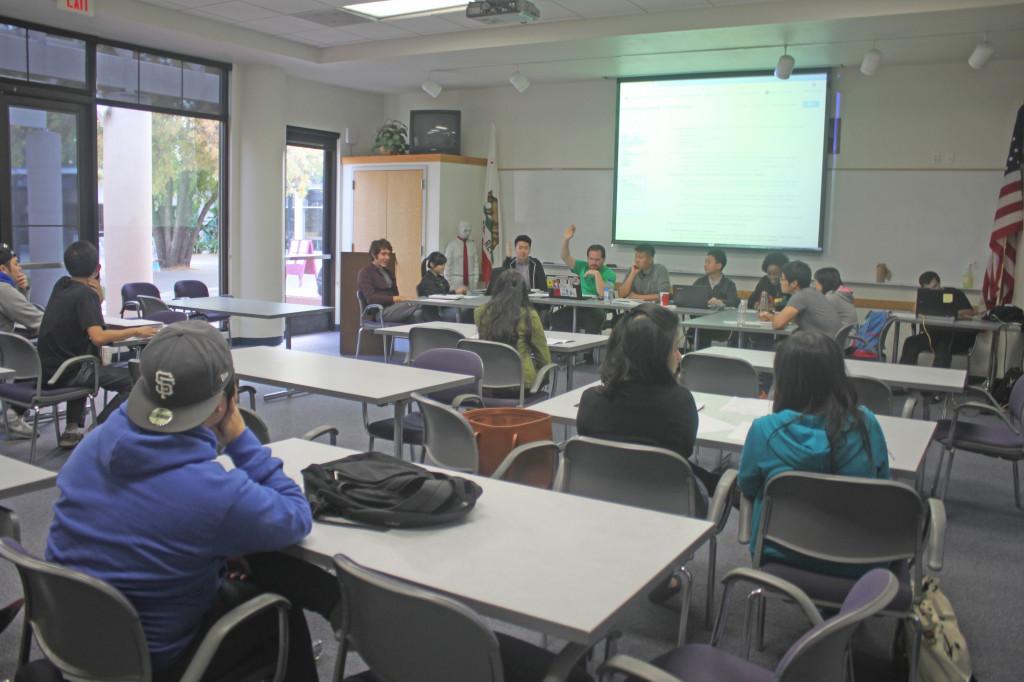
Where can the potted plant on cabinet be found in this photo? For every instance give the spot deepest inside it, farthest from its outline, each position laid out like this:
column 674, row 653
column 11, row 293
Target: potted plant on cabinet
column 391, row 138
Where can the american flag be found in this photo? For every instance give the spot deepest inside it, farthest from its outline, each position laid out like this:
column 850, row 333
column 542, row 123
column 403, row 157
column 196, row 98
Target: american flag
column 1009, row 223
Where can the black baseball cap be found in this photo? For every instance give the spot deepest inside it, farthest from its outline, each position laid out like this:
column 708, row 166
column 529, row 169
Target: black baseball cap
column 6, row 253
column 185, row 369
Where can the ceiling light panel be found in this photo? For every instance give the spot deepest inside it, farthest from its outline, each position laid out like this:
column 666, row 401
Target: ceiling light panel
column 383, row 9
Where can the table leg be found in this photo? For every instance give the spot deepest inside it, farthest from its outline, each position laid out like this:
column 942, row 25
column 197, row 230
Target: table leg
column 993, row 357
column 399, row 436
column 564, row 661
column 570, row 370
column 288, row 333
column 573, row 319
column 696, row 338
column 895, row 342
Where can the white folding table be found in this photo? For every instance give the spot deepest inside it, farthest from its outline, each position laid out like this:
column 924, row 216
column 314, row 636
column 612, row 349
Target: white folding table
column 246, row 307
column 18, row 478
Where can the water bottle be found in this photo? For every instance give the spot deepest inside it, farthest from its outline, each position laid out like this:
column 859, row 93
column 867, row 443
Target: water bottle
column 741, row 311
column 764, row 304
column 608, row 293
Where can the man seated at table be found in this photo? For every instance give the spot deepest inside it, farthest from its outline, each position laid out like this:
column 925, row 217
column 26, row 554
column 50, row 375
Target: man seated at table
column 646, row 280
column 807, row 307
column 594, row 276
column 520, row 260
column 15, row 308
column 723, row 289
column 73, row 325
column 146, row 506
column 941, row 342
column 378, row 284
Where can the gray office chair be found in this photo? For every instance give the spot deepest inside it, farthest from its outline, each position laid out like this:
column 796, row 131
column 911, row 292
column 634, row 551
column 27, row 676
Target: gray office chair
column 714, row 374
column 371, row 318
column 449, row 441
column 651, row 478
column 878, row 397
column 10, row 527
column 850, row 521
column 503, row 375
column 422, row 339
column 405, row 633
column 821, row 654
column 261, row 430
column 842, row 336
column 154, row 308
column 88, row 630
column 27, row 388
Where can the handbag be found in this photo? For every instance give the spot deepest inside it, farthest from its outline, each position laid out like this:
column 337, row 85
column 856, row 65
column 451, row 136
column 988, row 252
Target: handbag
column 499, row 430
column 380, row 490
column 943, row 656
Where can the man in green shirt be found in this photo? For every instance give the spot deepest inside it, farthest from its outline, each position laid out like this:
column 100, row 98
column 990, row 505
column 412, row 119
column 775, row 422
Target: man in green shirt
column 594, row 276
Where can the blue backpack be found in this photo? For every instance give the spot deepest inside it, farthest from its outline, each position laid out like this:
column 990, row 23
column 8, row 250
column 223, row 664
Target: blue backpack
column 866, row 342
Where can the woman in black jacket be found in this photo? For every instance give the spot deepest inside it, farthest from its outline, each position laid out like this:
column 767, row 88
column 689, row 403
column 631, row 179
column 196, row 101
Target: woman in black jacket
column 433, row 282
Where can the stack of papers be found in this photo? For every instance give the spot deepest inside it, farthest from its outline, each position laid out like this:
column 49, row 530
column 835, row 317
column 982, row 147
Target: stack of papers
column 447, row 297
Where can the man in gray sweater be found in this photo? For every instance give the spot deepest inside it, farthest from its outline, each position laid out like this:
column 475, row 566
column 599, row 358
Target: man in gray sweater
column 16, row 308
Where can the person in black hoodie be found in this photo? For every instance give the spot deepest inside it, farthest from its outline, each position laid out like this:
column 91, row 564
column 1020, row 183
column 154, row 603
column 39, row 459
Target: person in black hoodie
column 434, row 283
column 526, row 265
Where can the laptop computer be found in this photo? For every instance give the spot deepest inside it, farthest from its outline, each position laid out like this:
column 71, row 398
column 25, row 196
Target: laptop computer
column 688, row 296
column 567, row 286
column 938, row 302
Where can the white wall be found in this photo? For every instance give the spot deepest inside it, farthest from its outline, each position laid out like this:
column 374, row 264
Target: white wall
column 892, row 124
column 264, row 102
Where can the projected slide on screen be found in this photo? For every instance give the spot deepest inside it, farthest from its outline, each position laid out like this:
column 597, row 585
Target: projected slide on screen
column 729, row 161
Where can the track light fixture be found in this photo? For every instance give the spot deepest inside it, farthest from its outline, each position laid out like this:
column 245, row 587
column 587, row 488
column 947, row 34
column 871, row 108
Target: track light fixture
column 871, row 61
column 432, row 88
column 983, row 51
column 784, row 67
column 519, row 81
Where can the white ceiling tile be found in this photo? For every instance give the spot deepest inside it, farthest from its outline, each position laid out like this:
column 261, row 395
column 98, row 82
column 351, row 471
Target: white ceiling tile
column 378, row 30
column 549, row 9
column 282, row 25
column 326, row 37
column 740, row 2
column 668, row 5
column 424, row 25
column 192, row 4
column 289, row 6
column 236, row 11
column 599, row 8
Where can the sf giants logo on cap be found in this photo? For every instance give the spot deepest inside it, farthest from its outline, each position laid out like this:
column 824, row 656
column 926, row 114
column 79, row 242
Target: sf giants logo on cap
column 164, row 384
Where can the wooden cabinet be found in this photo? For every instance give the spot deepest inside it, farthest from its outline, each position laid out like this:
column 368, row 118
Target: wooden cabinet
column 388, row 204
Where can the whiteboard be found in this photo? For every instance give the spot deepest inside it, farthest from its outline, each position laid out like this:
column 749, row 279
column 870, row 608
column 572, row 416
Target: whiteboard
column 912, row 220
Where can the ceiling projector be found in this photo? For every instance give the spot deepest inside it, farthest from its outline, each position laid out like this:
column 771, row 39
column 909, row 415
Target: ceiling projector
column 503, row 11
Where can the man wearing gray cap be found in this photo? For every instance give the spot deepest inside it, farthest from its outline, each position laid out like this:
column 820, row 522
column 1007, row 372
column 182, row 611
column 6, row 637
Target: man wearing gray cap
column 145, row 506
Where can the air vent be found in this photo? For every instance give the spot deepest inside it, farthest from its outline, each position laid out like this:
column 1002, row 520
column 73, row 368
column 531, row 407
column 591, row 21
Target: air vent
column 332, row 18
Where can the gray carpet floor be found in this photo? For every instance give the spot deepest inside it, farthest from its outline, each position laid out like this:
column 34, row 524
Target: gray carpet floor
column 982, row 573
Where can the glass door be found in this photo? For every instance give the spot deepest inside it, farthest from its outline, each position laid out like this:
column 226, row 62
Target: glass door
column 45, row 206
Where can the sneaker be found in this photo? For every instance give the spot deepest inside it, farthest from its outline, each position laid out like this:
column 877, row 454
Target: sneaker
column 71, row 437
column 17, row 426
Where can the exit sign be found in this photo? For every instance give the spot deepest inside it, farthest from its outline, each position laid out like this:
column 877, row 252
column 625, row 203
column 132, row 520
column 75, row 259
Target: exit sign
column 76, row 6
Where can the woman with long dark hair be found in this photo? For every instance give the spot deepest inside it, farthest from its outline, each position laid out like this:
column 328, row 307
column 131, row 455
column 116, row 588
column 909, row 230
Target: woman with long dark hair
column 639, row 400
column 509, row 318
column 815, row 426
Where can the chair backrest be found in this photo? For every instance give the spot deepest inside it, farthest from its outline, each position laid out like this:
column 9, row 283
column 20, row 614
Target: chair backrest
column 843, row 519
column 821, row 654
column 422, row 339
column 190, row 288
column 130, row 292
column 453, row 360
column 503, row 368
column 1016, row 403
column 135, row 369
column 407, row 634
column 10, row 524
column 843, row 334
column 84, row 626
column 19, row 354
column 151, row 304
column 255, row 423
column 448, row 438
column 627, row 473
column 714, row 374
column 873, row 394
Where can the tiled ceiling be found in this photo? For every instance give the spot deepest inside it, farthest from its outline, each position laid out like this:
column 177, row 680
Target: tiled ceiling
column 321, row 23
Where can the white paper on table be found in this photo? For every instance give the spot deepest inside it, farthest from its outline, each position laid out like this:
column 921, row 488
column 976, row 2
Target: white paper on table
column 447, row 297
column 747, row 406
column 709, row 424
column 556, row 342
column 739, row 432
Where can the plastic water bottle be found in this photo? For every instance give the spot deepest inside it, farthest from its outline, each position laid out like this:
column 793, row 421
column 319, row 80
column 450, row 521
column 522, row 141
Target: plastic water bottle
column 741, row 311
column 608, row 293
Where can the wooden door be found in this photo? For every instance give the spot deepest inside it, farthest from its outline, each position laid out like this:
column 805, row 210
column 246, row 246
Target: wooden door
column 369, row 208
column 405, row 225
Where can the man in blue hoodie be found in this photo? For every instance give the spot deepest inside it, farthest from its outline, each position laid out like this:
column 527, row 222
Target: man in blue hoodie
column 145, row 506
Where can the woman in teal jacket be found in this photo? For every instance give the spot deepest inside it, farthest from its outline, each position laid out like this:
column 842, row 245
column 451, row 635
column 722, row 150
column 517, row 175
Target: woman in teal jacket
column 816, row 426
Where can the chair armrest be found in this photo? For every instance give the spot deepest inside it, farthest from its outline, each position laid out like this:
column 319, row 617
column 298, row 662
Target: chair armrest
column 984, row 394
column 635, row 668
column 520, row 450
column 231, row 620
column 720, row 504
column 744, row 530
column 374, row 307
column 318, row 431
column 980, row 407
column 70, row 362
column 936, row 547
column 467, row 397
column 542, row 374
column 251, row 392
column 776, row 584
column 908, row 407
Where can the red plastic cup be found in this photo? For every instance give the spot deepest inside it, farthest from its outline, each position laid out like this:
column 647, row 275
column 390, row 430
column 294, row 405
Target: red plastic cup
column 665, row 299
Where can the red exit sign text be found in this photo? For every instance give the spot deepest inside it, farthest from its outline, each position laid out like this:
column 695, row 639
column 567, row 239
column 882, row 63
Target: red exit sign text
column 76, row 6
